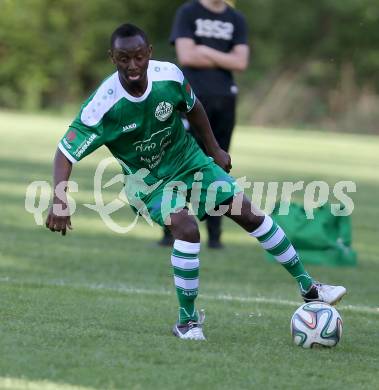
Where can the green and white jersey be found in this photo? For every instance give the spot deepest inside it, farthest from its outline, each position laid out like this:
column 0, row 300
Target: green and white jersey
column 142, row 132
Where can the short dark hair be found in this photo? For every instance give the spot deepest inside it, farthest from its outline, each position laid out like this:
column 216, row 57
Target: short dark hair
column 128, row 30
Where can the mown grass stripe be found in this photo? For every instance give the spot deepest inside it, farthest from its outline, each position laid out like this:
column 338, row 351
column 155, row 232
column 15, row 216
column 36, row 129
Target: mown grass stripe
column 221, row 297
column 7, row 383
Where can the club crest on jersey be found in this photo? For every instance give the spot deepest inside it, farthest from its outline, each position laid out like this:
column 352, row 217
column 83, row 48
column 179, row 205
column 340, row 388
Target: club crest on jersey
column 163, row 111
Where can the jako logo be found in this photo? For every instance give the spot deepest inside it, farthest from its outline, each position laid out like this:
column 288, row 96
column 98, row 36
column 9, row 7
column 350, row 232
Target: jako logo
column 129, row 127
column 163, row 111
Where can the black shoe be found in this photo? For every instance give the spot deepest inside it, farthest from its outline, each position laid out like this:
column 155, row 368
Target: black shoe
column 215, row 244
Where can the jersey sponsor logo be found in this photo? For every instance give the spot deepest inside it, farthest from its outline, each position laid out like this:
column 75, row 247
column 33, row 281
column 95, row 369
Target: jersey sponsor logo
column 163, row 111
column 84, row 146
column 214, row 29
column 130, row 127
column 148, row 144
column 146, row 147
column 154, row 150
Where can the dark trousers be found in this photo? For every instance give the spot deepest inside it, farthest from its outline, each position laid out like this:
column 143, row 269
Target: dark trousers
column 221, row 114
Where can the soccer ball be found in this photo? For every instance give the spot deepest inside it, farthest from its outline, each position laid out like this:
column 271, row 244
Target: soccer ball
column 316, row 324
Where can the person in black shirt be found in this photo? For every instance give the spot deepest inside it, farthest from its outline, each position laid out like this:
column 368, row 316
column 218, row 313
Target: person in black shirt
column 210, row 39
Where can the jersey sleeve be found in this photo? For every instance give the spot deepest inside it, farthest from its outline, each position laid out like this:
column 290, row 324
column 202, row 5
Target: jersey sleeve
column 81, row 138
column 182, row 26
column 240, row 30
column 187, row 96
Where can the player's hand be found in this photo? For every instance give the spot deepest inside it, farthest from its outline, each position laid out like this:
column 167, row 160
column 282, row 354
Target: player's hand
column 223, row 159
column 60, row 221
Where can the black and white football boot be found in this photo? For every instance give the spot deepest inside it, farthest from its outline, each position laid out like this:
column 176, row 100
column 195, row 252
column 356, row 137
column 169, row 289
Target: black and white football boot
column 324, row 293
column 192, row 330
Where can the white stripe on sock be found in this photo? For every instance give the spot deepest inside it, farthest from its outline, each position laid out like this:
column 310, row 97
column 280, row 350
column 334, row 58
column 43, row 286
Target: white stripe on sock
column 265, row 227
column 274, row 240
column 186, row 264
column 287, row 255
column 187, row 247
column 191, row 284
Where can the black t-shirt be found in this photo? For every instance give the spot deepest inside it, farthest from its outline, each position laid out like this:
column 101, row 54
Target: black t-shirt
column 220, row 31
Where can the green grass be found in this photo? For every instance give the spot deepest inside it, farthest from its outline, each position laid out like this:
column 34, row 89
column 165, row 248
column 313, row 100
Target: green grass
column 94, row 309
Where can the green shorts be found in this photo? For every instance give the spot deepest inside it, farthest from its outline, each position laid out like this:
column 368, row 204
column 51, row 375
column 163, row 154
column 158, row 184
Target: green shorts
column 205, row 189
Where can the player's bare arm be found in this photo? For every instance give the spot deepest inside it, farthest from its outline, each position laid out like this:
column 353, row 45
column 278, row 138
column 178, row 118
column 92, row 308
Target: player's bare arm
column 62, row 172
column 198, row 120
column 235, row 60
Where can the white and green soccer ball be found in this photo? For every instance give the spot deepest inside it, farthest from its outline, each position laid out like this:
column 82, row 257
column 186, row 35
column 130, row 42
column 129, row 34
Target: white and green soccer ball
column 316, row 324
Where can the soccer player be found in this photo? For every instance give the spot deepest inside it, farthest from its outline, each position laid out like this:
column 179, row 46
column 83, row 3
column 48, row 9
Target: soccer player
column 135, row 112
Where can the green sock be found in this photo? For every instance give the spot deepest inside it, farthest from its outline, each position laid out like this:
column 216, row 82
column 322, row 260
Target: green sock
column 296, row 269
column 185, row 262
column 273, row 240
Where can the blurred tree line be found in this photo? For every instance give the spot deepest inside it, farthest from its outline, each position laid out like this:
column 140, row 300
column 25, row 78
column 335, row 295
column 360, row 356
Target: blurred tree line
column 313, row 62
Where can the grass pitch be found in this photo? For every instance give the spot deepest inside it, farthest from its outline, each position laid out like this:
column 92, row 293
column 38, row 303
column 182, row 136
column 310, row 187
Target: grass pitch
column 93, row 310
